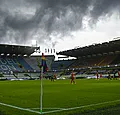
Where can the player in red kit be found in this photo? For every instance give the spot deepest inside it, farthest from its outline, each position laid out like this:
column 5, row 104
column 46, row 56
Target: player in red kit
column 101, row 75
column 54, row 76
column 72, row 78
column 97, row 75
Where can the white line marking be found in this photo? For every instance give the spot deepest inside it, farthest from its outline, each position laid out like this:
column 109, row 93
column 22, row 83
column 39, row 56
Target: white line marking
column 46, row 108
column 80, row 107
column 12, row 106
column 16, row 107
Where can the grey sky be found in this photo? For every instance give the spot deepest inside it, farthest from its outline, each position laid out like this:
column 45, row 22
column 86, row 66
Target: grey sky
column 45, row 20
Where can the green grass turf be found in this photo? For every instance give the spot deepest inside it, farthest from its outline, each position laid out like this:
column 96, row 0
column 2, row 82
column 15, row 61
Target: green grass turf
column 60, row 94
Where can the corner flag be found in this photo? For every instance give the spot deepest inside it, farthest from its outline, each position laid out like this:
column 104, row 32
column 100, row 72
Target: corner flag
column 43, row 63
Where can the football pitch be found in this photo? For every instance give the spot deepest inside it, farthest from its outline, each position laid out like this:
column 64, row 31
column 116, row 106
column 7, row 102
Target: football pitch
column 86, row 97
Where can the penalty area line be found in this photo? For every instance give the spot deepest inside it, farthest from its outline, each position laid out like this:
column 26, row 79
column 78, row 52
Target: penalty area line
column 19, row 108
column 81, row 107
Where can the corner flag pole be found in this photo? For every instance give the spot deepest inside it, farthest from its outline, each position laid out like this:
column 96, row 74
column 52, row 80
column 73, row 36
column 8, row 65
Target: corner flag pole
column 44, row 68
column 41, row 89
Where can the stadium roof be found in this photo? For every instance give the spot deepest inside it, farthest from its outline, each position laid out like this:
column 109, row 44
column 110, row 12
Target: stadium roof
column 16, row 50
column 110, row 47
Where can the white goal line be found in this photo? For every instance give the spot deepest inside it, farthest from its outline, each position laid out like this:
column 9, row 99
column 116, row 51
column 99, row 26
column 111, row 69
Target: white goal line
column 60, row 109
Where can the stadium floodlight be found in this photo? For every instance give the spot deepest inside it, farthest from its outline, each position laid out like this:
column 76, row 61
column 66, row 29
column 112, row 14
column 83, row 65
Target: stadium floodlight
column 25, row 55
column 8, row 54
column 34, row 70
column 2, row 54
column 19, row 55
column 14, row 55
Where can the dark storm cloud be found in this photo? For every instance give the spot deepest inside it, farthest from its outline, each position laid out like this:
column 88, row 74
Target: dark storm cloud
column 104, row 8
column 22, row 20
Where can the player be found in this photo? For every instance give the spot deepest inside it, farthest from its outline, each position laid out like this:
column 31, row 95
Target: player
column 101, row 75
column 97, row 75
column 72, row 78
column 109, row 76
column 54, row 77
column 114, row 75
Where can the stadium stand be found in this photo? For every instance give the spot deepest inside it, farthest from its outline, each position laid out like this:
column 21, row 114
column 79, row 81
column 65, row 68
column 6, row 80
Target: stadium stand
column 116, row 60
column 102, row 58
column 16, row 62
column 32, row 61
column 94, row 61
column 61, row 64
column 8, row 64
